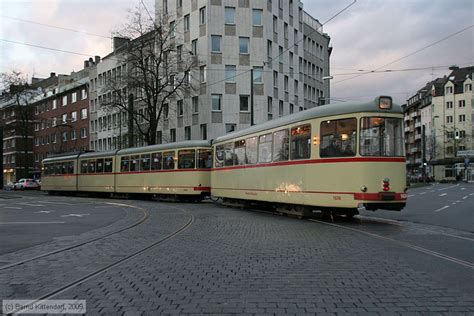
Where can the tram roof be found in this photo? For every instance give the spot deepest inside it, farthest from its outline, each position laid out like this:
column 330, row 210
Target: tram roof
column 61, row 158
column 316, row 112
column 152, row 148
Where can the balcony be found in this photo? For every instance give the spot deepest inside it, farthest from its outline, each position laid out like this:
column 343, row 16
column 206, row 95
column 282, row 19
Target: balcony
column 417, row 136
column 407, row 129
column 417, row 124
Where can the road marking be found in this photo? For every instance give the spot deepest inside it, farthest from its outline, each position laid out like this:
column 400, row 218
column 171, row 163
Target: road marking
column 60, row 203
column 411, row 195
column 465, row 197
column 458, row 201
column 74, row 215
column 422, row 193
column 442, row 208
column 453, row 186
column 471, row 194
column 29, row 223
column 14, row 207
column 463, row 188
column 46, row 212
column 443, row 194
column 432, row 191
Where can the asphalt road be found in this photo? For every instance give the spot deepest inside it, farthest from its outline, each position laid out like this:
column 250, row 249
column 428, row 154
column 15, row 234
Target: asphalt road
column 32, row 218
column 444, row 205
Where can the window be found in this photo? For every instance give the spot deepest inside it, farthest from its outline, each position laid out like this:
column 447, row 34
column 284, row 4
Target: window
column 124, row 164
column 165, row 110
column 172, row 29
column 205, row 158
column 202, row 16
column 194, row 47
column 202, row 73
column 275, row 79
column 165, row 6
column 229, row 15
column 462, row 103
column 91, row 166
column 99, row 165
column 74, row 116
column 64, row 100
column 280, row 108
column 230, row 73
column 449, row 90
column 108, row 166
column 55, row 104
column 468, row 87
column 285, row 31
column 134, row 163
column 257, row 74
column 172, row 135
column 449, row 105
column 381, row 137
column 216, row 43
column 338, row 138
column 239, row 152
column 186, row 159
column 180, row 108
column 285, row 83
column 145, row 162
column 83, row 114
column 275, row 24
column 257, row 17
column 229, row 127
column 449, row 134
column 243, row 45
column 220, row 156
column 74, row 97
column 270, row 108
column 449, row 119
column 216, row 102
column 244, row 103
column 84, row 132
column 156, row 161
column 83, row 94
column 179, row 53
column 269, row 49
column 251, row 150
column 64, row 118
column 462, row 134
column 168, row 160
column 281, row 145
column 187, row 132
column 292, row 108
column 186, row 23
column 73, row 134
column 462, row 118
column 301, row 142
column 265, row 148
column 195, row 103
column 203, row 129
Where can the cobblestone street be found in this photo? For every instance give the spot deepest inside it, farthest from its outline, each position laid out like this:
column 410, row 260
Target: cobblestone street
column 227, row 261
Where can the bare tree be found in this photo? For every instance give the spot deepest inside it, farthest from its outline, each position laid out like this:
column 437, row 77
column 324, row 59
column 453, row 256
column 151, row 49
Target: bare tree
column 157, row 73
column 19, row 95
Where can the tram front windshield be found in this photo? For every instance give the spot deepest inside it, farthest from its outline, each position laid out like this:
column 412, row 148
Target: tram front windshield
column 381, row 136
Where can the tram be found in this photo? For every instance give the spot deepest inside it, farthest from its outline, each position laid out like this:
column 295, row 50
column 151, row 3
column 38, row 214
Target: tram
column 171, row 170
column 335, row 158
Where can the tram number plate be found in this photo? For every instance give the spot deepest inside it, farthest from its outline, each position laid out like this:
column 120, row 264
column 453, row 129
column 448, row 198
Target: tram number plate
column 387, row 196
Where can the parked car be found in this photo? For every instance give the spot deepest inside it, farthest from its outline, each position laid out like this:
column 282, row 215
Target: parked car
column 26, row 184
column 9, row 186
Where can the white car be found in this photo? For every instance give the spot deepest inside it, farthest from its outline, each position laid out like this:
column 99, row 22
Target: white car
column 26, row 184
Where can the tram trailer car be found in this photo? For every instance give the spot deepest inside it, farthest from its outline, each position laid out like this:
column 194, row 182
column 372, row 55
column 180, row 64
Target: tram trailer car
column 170, row 170
column 335, row 158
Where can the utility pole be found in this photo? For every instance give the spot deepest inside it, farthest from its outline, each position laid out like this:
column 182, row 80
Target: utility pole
column 130, row 120
column 423, row 145
column 251, row 98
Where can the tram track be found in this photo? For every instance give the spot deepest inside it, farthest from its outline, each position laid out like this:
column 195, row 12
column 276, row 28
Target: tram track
column 53, row 293
column 142, row 219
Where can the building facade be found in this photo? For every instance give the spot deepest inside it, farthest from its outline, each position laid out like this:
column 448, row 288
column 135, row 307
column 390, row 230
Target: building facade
column 439, row 126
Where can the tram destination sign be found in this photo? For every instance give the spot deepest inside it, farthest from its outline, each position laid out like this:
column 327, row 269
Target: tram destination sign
column 465, row 153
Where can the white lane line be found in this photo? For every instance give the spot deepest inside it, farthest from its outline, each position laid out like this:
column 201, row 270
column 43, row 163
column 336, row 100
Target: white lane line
column 74, row 215
column 46, row 212
column 471, row 193
column 432, row 191
column 458, row 201
column 13, row 207
column 442, row 208
column 453, row 186
column 59, row 203
column 443, row 194
column 422, row 193
column 463, row 189
column 411, row 195
column 29, row 223
column 32, row 205
column 465, row 197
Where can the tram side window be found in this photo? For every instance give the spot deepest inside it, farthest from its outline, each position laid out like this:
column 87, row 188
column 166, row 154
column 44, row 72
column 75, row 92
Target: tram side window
column 125, row 164
column 145, row 162
column 84, row 166
column 186, row 159
column 108, row 166
column 338, row 138
column 205, row 158
column 251, row 146
column 45, row 170
column 100, row 166
column 239, row 151
column 265, row 145
column 301, row 142
column 381, row 136
column 281, row 145
column 168, row 160
column 219, row 156
column 91, row 166
column 156, row 161
column 134, row 163
column 63, row 168
column 70, row 167
column 228, row 154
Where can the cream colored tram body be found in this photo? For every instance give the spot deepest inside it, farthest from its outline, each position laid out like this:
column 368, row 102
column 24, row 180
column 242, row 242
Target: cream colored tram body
column 170, row 169
column 96, row 172
column 59, row 174
column 335, row 158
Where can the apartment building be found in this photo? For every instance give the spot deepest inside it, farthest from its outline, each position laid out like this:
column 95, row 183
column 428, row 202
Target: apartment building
column 283, row 44
column 439, row 125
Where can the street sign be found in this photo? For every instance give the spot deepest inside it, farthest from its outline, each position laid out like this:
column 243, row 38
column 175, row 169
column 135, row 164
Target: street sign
column 465, row 153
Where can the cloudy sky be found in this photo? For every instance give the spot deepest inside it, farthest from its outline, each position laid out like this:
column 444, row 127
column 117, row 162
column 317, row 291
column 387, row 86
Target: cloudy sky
column 367, row 36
